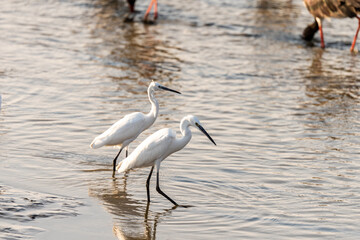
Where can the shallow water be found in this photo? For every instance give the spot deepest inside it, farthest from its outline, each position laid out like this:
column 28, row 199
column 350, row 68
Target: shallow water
column 283, row 112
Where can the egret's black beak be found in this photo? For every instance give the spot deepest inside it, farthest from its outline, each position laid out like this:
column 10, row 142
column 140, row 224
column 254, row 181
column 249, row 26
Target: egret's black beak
column 204, row 132
column 168, row 89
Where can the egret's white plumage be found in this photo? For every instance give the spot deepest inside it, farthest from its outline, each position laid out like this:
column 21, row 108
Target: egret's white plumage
column 124, row 131
column 154, row 149
column 127, row 129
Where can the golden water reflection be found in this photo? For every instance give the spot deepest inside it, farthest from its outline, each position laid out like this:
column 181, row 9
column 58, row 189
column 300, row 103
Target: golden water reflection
column 331, row 91
column 133, row 219
column 131, row 51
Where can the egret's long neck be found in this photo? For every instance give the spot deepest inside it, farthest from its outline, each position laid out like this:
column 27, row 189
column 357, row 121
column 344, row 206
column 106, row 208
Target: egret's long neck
column 152, row 115
column 186, row 134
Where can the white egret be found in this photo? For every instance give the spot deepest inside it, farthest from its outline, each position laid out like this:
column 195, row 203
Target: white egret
column 154, row 149
column 127, row 129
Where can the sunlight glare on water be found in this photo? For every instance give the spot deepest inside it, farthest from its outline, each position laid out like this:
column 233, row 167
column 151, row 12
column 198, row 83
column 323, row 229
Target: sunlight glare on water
column 284, row 114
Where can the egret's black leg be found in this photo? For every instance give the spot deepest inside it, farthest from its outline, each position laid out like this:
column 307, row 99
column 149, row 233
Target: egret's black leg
column 114, row 162
column 127, row 153
column 161, row 192
column 148, row 184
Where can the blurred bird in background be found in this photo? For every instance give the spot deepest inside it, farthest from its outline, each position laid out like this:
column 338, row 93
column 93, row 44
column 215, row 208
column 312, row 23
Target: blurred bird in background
column 321, row 9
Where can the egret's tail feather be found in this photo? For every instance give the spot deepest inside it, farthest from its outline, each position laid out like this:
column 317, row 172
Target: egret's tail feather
column 118, row 166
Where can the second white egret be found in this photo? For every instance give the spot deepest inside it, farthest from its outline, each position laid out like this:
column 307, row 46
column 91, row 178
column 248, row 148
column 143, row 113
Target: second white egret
column 158, row 146
column 127, row 129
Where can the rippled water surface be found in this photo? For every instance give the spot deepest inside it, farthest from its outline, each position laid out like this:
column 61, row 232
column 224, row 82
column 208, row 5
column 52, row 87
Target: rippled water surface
column 284, row 114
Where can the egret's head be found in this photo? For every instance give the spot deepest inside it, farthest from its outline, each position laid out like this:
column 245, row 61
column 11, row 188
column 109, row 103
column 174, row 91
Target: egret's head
column 157, row 86
column 194, row 121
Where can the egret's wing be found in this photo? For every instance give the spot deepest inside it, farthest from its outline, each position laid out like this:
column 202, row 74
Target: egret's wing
column 156, row 146
column 127, row 128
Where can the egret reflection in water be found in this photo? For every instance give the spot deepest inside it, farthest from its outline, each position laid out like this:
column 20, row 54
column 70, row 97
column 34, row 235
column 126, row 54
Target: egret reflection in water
column 133, row 219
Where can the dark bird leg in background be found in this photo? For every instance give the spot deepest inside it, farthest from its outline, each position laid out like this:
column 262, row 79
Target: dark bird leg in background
column 309, row 31
column 161, row 192
column 357, row 32
column 148, row 184
column 131, row 5
column 131, row 15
